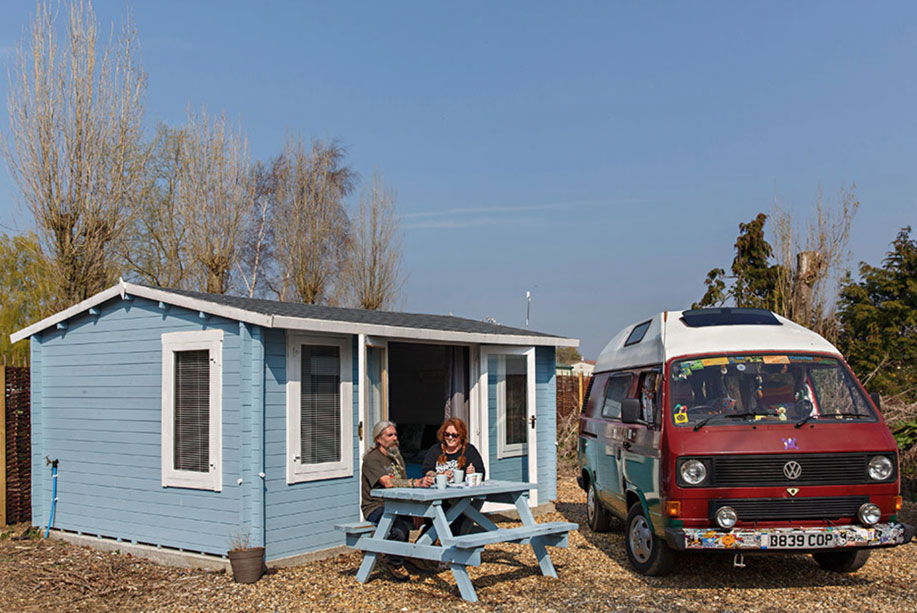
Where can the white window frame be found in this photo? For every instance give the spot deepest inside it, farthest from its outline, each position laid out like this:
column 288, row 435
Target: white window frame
column 297, row 472
column 505, row 450
column 212, row 341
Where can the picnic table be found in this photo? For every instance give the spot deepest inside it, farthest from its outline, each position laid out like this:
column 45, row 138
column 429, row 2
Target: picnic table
column 459, row 551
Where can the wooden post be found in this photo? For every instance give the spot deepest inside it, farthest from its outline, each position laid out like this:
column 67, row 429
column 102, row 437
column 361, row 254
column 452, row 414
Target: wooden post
column 3, row 446
column 579, row 380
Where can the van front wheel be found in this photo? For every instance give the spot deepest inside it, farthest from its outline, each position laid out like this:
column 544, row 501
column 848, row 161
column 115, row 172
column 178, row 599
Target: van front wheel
column 595, row 512
column 842, row 561
column 648, row 554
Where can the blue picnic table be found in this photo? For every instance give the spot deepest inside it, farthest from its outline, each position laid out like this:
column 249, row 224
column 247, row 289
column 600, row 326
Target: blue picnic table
column 459, row 551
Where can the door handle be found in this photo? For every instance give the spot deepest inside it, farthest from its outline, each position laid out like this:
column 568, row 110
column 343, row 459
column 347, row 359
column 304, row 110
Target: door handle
column 532, row 421
column 360, row 430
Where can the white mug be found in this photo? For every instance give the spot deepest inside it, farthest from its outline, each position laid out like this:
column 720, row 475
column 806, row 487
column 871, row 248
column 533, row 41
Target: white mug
column 441, row 480
column 458, row 475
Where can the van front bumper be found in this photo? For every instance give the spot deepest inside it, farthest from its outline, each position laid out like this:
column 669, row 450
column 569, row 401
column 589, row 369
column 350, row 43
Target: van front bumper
column 790, row 539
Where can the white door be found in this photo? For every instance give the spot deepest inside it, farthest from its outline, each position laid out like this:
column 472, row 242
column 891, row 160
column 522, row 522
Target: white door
column 373, row 369
column 506, row 397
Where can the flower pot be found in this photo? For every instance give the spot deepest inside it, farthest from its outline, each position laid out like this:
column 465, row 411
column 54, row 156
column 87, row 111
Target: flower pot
column 247, row 565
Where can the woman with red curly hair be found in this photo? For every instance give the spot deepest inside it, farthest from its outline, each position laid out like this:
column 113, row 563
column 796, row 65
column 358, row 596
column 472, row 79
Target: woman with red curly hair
column 453, row 451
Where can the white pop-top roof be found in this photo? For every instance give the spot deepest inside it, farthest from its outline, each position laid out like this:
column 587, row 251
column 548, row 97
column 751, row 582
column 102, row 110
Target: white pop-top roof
column 669, row 337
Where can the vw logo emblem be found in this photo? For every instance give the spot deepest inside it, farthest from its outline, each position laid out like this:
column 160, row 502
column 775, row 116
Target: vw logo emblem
column 792, row 469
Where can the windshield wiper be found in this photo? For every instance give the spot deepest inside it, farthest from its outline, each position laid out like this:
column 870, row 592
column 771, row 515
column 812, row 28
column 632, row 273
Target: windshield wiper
column 809, row 418
column 704, row 421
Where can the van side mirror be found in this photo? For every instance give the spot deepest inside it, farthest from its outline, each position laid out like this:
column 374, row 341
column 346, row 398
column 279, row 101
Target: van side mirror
column 875, row 400
column 630, row 410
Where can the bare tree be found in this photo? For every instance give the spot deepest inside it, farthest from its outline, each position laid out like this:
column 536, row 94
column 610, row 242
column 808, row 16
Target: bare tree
column 215, row 199
column 155, row 247
column 812, row 259
column 374, row 266
column 310, row 226
column 75, row 147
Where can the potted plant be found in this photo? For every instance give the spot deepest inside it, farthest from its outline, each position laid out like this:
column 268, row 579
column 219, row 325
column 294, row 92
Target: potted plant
column 247, row 562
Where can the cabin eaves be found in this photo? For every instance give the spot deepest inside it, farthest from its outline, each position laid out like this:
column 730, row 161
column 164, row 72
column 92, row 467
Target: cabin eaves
column 314, row 318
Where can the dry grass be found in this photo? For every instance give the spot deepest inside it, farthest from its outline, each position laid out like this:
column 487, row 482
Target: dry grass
column 38, row 575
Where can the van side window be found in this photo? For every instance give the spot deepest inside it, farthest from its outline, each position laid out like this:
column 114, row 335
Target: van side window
column 648, row 392
column 614, row 394
column 592, row 402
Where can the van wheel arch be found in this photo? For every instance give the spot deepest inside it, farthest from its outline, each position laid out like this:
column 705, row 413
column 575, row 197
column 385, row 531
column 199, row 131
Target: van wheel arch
column 597, row 516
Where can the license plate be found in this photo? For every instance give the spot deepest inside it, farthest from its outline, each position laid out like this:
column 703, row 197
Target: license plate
column 798, row 539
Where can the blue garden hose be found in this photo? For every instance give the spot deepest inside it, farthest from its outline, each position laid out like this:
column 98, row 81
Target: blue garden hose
column 53, row 493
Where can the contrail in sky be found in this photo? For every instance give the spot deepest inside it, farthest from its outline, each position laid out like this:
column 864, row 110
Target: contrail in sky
column 434, row 219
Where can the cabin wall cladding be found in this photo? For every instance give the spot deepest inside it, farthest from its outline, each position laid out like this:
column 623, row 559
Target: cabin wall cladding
column 18, row 447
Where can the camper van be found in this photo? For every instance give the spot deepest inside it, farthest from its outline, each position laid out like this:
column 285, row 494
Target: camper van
column 736, row 430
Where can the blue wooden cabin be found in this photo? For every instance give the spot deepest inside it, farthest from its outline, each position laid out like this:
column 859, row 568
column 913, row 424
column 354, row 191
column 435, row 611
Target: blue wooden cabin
column 182, row 420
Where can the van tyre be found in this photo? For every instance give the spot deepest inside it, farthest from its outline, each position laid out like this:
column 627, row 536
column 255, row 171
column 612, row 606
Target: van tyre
column 597, row 516
column 842, row 561
column 648, row 554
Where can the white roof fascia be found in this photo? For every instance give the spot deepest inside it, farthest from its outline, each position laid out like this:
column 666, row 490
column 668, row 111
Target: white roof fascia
column 290, row 323
column 196, row 304
column 427, row 334
column 66, row 314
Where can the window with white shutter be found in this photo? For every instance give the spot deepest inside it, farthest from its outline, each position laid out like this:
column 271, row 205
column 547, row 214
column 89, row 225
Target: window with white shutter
column 191, row 409
column 319, row 408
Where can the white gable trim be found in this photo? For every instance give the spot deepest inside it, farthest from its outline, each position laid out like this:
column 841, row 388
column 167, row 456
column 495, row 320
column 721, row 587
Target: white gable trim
column 290, row 323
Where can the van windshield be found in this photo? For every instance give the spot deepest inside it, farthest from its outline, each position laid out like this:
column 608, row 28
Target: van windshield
column 770, row 388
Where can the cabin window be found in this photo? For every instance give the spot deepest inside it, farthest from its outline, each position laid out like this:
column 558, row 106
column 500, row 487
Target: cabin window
column 319, row 409
column 512, row 404
column 192, row 409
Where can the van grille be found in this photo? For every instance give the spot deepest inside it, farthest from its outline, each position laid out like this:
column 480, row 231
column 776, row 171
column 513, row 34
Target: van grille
column 765, row 509
column 817, row 469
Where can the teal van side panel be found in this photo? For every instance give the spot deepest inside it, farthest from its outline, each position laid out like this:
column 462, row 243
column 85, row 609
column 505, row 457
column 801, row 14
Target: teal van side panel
column 98, row 388
column 300, row 517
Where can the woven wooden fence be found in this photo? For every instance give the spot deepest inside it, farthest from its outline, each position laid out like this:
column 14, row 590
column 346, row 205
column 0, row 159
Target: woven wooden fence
column 15, row 446
column 570, row 391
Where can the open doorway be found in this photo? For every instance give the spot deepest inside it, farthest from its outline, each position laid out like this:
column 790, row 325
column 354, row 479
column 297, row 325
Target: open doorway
column 427, row 383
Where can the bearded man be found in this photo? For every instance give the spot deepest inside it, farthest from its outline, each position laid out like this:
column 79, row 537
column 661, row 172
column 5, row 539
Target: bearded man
column 383, row 466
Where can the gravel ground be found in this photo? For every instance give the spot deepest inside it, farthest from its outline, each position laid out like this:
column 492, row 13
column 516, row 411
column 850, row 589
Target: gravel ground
column 38, row 575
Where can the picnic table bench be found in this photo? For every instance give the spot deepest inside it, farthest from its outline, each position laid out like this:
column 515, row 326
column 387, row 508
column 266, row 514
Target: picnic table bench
column 459, row 551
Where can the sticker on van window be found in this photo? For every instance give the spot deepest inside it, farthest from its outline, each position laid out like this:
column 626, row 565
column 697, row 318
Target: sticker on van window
column 715, row 361
column 776, row 359
column 681, row 414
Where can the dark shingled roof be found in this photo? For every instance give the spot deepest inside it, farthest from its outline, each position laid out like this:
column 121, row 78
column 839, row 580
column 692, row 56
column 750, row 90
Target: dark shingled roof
column 363, row 316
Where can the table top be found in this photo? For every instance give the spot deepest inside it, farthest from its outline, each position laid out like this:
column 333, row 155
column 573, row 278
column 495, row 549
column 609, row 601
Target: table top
column 429, row 494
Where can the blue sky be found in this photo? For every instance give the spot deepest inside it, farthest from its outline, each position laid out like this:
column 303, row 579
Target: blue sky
column 600, row 155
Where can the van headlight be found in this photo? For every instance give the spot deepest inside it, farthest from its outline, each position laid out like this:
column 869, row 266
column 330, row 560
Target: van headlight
column 726, row 518
column 880, row 468
column 869, row 514
column 693, row 472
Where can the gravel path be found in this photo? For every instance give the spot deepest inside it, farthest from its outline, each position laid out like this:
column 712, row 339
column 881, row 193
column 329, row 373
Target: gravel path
column 37, row 575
